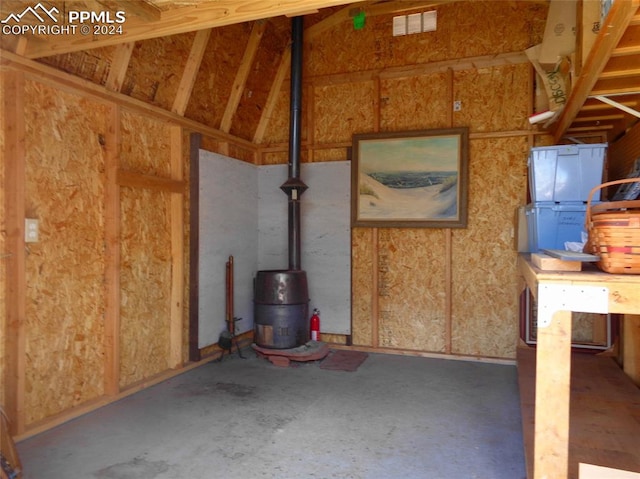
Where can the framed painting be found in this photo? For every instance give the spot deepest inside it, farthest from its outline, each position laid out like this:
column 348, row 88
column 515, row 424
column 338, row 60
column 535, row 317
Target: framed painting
column 410, row 179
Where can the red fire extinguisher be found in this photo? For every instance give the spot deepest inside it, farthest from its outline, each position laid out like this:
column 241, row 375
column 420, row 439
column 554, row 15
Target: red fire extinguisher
column 315, row 325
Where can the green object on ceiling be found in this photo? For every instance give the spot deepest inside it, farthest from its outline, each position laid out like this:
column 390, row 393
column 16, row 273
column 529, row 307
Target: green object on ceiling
column 358, row 21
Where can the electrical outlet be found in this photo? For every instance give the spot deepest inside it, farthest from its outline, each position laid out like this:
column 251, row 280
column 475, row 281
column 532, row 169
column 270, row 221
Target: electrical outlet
column 457, row 105
column 31, row 233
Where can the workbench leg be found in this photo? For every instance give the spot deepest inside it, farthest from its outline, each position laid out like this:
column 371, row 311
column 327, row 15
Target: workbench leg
column 553, row 377
column 631, row 346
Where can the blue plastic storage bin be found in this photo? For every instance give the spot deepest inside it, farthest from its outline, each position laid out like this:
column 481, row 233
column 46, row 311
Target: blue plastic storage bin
column 563, row 173
column 549, row 225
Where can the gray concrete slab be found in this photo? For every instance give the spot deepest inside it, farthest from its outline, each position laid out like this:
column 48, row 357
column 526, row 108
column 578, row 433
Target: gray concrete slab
column 395, row 417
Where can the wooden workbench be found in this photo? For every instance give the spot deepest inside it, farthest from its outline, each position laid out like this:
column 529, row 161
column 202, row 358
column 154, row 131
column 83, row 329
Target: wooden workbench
column 558, row 294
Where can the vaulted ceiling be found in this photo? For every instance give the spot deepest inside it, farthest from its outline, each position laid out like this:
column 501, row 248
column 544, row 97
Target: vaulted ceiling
column 605, row 95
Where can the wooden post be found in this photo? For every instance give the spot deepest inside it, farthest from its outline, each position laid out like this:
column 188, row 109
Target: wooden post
column 14, row 191
column 553, row 371
column 177, row 252
column 631, row 347
column 112, row 257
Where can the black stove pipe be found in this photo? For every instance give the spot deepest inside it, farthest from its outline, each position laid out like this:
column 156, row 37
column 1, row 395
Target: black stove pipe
column 294, row 186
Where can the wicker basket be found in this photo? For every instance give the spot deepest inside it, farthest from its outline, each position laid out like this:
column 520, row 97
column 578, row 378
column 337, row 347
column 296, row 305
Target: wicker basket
column 614, row 232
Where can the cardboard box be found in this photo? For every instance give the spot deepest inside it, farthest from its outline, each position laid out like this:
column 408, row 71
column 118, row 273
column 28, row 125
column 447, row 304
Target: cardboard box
column 559, row 40
column 556, row 82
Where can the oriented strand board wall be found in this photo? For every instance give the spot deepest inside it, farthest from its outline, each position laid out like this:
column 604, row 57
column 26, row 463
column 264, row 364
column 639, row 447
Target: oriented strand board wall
column 145, row 284
column 411, row 289
column 164, row 54
column 145, row 251
column 65, row 269
column 485, row 286
column 145, row 145
column 400, row 296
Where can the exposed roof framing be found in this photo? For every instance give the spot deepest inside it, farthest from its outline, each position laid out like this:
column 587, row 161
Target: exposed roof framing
column 612, row 68
column 200, row 16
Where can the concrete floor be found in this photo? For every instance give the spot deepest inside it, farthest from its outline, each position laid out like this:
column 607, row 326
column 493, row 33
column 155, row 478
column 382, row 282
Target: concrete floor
column 395, row 417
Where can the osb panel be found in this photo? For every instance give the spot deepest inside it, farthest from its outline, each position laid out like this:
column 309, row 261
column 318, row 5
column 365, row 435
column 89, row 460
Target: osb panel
column 145, row 284
column 334, row 338
column 146, row 145
column 415, row 103
column 485, row 287
column 93, row 65
column 411, row 289
column 277, row 130
column 156, row 67
column 342, row 110
column 217, row 73
column 274, row 41
column 275, row 158
column 362, row 256
column 65, row 301
column 514, row 26
column 493, row 99
column 240, row 153
column 330, row 154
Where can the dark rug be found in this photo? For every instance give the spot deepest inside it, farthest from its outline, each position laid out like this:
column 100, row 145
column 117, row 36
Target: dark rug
column 343, row 360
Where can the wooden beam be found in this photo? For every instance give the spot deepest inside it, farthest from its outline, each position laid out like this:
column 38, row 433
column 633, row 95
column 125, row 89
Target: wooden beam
column 631, row 347
column 143, row 9
column 119, row 66
column 177, row 252
column 178, row 20
column 610, row 34
column 138, row 180
column 274, row 93
column 15, row 255
column 112, row 257
column 242, row 75
column 190, row 71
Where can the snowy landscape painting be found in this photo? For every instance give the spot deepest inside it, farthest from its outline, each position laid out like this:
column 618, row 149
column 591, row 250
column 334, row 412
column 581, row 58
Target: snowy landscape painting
column 412, row 179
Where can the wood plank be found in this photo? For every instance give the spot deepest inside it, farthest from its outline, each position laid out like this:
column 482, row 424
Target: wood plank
column 274, row 93
column 551, row 429
column 137, row 180
column 178, row 20
column 119, row 66
column 375, row 287
column 242, row 75
column 548, row 263
column 143, row 9
column 15, row 259
column 112, row 257
column 610, row 34
column 190, row 71
column 631, row 347
column 604, row 413
column 177, row 252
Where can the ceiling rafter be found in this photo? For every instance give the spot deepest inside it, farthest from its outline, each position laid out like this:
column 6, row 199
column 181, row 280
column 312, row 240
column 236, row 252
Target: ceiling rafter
column 191, row 68
column 613, row 29
column 242, row 75
column 175, row 21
